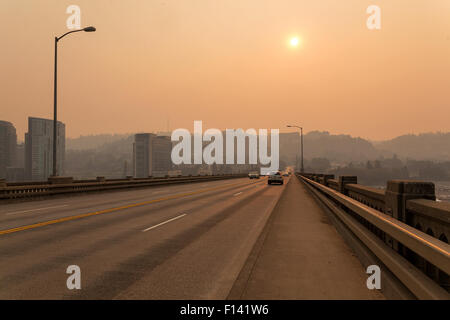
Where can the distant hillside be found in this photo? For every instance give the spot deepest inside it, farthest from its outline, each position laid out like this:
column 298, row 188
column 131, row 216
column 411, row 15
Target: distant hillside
column 105, row 159
column 425, row 146
column 93, row 141
column 342, row 148
column 106, row 154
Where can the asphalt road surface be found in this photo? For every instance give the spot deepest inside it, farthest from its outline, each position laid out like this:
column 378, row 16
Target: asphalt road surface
column 186, row 241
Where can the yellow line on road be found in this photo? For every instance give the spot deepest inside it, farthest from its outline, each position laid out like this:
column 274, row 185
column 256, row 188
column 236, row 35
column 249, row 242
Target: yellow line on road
column 85, row 215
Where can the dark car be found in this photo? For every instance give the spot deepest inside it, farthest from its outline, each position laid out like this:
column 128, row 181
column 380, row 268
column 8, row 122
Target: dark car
column 275, row 177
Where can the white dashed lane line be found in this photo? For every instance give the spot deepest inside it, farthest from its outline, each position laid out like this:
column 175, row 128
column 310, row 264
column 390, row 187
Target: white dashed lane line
column 163, row 223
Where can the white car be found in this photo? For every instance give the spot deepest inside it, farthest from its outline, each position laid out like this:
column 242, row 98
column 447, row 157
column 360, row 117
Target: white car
column 275, row 177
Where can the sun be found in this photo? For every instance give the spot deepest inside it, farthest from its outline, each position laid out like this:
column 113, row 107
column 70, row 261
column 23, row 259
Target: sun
column 294, row 42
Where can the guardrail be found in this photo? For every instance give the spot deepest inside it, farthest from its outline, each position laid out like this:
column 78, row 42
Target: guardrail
column 404, row 227
column 100, row 184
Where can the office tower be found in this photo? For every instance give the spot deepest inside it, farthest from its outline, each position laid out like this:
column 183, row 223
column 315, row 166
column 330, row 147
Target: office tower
column 151, row 155
column 39, row 149
column 15, row 174
column 20, row 155
column 161, row 159
column 141, row 155
column 8, row 146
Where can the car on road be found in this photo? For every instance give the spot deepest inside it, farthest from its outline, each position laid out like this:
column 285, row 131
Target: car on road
column 275, row 177
column 253, row 175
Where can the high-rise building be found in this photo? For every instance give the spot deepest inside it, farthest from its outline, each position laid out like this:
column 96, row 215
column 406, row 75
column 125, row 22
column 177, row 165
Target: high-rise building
column 39, row 149
column 141, row 155
column 20, row 155
column 15, row 174
column 161, row 160
column 8, row 147
column 151, row 155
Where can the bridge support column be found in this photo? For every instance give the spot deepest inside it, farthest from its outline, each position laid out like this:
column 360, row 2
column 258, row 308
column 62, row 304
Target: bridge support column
column 397, row 193
column 343, row 180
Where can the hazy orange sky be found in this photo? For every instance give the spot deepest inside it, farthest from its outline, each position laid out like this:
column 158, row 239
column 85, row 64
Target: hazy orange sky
column 228, row 63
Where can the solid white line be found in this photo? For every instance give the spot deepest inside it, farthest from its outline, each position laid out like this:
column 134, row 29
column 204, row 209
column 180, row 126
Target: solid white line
column 236, row 194
column 39, row 209
column 162, row 223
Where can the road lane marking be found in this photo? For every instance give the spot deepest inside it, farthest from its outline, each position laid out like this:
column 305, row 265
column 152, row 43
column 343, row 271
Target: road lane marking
column 85, row 215
column 38, row 209
column 236, row 194
column 163, row 223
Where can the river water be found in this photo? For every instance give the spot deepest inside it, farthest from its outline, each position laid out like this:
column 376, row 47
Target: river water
column 443, row 190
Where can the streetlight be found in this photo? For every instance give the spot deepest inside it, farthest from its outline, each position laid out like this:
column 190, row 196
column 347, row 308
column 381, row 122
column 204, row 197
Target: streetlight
column 55, row 118
column 301, row 143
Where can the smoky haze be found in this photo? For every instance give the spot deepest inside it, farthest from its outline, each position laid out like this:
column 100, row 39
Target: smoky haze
column 159, row 65
column 88, row 156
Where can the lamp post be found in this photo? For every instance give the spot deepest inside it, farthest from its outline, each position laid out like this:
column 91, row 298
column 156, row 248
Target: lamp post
column 55, row 83
column 301, row 144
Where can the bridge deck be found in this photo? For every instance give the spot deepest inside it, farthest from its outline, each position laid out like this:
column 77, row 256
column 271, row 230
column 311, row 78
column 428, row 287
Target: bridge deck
column 300, row 255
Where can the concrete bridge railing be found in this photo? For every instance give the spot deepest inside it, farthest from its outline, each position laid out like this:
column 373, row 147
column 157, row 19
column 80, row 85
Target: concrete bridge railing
column 66, row 185
column 403, row 226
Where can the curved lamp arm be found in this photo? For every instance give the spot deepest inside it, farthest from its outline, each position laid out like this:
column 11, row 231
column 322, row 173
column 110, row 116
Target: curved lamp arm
column 87, row 29
column 289, row 126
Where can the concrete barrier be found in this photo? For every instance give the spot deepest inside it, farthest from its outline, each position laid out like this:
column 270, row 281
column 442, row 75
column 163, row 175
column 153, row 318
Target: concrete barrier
column 412, row 226
column 58, row 187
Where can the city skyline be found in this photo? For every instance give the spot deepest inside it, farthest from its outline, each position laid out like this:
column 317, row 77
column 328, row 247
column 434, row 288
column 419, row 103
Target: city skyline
column 21, row 138
column 176, row 62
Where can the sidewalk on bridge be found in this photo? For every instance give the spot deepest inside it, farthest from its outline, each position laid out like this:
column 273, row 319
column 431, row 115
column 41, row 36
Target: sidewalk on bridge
column 300, row 255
